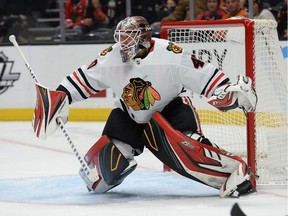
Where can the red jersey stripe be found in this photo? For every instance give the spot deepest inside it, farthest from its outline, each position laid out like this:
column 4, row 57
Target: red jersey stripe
column 84, row 86
column 214, row 84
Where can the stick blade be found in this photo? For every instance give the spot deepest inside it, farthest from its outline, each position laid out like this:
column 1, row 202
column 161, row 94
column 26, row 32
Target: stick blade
column 236, row 211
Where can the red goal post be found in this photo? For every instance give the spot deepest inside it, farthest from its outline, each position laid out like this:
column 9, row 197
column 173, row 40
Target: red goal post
column 248, row 47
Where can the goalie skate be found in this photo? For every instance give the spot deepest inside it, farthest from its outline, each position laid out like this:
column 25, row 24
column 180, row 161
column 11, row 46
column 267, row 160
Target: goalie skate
column 238, row 183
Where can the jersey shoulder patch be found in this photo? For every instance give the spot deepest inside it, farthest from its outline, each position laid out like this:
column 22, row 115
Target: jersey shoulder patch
column 105, row 51
column 174, row 48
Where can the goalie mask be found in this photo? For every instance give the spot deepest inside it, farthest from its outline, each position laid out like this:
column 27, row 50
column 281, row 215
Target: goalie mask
column 132, row 34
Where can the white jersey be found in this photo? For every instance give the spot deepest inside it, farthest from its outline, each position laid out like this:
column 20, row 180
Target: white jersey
column 147, row 85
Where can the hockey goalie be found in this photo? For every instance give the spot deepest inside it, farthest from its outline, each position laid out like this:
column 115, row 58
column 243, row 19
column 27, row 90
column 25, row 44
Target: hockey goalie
column 151, row 78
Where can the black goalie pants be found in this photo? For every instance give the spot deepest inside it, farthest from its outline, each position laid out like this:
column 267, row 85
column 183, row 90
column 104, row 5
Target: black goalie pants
column 179, row 113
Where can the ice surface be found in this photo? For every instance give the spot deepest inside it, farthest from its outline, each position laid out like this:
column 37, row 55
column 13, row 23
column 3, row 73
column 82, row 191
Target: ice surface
column 41, row 178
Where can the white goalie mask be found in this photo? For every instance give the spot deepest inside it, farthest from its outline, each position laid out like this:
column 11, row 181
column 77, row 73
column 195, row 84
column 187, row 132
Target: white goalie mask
column 132, row 34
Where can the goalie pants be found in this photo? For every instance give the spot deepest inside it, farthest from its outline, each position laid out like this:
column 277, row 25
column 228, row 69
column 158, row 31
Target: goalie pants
column 180, row 113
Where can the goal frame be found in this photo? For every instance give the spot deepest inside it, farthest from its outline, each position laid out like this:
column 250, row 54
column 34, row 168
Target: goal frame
column 250, row 72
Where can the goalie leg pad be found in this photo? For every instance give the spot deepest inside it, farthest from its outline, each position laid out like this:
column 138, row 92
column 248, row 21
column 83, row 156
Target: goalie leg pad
column 112, row 163
column 200, row 138
column 201, row 162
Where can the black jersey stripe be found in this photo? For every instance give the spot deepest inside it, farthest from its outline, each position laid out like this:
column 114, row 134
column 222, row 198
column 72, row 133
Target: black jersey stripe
column 77, row 87
column 224, row 81
column 214, row 74
column 123, row 106
column 85, row 79
column 63, row 89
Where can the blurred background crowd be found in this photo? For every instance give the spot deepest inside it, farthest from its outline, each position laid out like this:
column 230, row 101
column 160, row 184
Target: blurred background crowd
column 34, row 21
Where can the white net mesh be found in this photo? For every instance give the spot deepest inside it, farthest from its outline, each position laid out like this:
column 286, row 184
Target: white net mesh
column 224, row 45
column 271, row 116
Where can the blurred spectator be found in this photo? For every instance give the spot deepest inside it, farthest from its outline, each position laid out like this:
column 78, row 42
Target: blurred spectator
column 166, row 9
column 182, row 12
column 111, row 11
column 282, row 23
column 235, row 9
column 145, row 8
column 95, row 12
column 75, row 16
column 20, row 29
column 260, row 12
column 115, row 11
column 163, row 11
column 214, row 12
column 224, row 7
column 242, row 3
column 15, row 18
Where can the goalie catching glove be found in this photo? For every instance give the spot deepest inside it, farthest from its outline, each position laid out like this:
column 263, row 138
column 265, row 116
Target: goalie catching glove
column 230, row 96
column 50, row 105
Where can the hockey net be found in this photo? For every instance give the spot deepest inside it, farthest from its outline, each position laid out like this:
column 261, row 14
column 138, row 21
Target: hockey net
column 250, row 47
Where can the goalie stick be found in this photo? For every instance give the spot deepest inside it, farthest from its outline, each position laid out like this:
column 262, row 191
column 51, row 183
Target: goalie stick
column 88, row 171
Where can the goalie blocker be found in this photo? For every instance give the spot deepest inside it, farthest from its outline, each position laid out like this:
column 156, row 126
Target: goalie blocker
column 50, row 105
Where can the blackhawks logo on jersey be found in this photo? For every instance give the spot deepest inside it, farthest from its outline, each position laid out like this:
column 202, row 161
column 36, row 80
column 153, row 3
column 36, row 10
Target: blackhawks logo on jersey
column 139, row 94
column 105, row 51
column 174, row 48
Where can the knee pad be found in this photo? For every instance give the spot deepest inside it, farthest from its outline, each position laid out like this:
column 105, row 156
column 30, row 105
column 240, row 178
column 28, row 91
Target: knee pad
column 114, row 160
